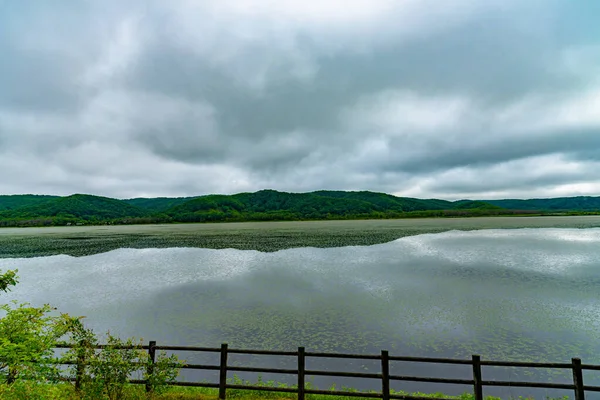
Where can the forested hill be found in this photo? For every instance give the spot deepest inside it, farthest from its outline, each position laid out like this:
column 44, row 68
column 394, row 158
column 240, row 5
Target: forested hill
column 22, row 200
column 580, row 203
column 273, row 205
column 158, row 204
column 77, row 208
column 264, row 205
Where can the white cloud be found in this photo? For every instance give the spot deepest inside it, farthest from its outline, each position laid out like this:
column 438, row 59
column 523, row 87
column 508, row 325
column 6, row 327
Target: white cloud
column 583, row 61
column 551, row 175
column 543, row 115
column 402, row 113
column 447, row 99
column 321, row 12
column 119, row 54
column 258, row 42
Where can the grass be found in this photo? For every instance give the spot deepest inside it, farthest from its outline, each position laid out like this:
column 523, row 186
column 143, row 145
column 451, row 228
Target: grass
column 24, row 390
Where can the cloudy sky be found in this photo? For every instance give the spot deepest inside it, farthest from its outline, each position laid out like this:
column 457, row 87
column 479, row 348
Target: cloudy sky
column 425, row 98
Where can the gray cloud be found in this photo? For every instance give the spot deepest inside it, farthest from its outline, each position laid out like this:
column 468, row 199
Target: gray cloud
column 469, row 151
column 182, row 98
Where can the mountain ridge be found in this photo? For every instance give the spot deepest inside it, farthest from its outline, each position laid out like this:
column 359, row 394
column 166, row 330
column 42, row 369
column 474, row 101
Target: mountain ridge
column 265, row 205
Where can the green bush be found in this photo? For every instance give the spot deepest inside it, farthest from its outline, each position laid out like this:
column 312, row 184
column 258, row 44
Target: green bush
column 104, row 373
column 27, row 337
column 8, row 279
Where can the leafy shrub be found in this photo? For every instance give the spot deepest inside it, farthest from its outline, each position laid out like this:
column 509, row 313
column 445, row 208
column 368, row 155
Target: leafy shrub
column 8, row 279
column 27, row 338
column 104, row 373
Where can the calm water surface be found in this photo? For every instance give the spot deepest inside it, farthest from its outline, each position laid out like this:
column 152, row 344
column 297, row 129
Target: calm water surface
column 528, row 294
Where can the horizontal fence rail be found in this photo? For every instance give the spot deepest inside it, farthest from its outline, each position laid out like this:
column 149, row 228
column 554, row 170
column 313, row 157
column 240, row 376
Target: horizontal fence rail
column 476, row 381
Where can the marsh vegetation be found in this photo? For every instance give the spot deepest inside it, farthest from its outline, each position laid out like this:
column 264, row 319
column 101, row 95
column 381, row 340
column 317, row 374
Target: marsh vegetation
column 262, row 236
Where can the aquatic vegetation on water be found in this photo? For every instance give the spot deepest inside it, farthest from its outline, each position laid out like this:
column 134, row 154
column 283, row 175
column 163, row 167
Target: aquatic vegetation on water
column 262, row 236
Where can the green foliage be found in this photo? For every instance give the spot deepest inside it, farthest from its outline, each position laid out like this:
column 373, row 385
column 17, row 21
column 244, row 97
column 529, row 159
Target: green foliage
column 22, row 200
column 474, row 205
column 579, row 203
column 25, row 390
column 8, row 279
column 75, row 209
column 27, row 337
column 158, row 204
column 164, row 370
column 270, row 205
column 105, row 372
column 389, row 202
column 264, row 205
column 108, row 370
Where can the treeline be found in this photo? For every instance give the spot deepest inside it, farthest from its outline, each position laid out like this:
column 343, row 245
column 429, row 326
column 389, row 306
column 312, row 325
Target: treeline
column 264, row 205
column 560, row 204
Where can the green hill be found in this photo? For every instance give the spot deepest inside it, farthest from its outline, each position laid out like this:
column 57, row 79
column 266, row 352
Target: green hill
column 157, row 204
column 264, row 205
column 274, row 205
column 74, row 208
column 389, row 202
column 475, row 205
column 269, row 205
column 580, row 203
column 11, row 202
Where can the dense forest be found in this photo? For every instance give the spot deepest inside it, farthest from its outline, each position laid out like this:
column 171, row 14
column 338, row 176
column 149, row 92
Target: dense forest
column 580, row 203
column 264, row 205
column 22, row 200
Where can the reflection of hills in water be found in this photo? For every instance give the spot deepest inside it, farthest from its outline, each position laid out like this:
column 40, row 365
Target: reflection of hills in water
column 452, row 294
column 265, row 237
column 265, row 241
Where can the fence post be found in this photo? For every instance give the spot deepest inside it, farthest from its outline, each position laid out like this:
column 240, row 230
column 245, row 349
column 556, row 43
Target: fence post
column 223, row 373
column 477, row 386
column 150, row 367
column 301, row 374
column 80, row 364
column 578, row 379
column 385, row 374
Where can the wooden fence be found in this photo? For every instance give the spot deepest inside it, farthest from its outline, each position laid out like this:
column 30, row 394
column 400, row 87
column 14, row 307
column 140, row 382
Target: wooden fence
column 384, row 376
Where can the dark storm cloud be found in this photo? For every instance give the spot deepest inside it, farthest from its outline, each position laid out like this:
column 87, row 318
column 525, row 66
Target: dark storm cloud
column 23, row 87
column 42, row 54
column 143, row 98
column 518, row 182
column 469, row 151
column 488, row 58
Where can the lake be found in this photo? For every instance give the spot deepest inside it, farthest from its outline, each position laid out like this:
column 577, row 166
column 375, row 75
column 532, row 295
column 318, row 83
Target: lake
column 507, row 294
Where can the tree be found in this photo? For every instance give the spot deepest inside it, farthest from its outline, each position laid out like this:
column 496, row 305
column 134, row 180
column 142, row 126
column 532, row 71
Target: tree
column 27, row 338
column 104, row 373
column 9, row 278
column 28, row 335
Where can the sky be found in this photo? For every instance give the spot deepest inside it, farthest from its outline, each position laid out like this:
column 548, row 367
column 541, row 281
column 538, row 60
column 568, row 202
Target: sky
column 449, row 99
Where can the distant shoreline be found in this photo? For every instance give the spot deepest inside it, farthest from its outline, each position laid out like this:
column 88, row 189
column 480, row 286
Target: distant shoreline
column 268, row 205
column 273, row 236
column 441, row 214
